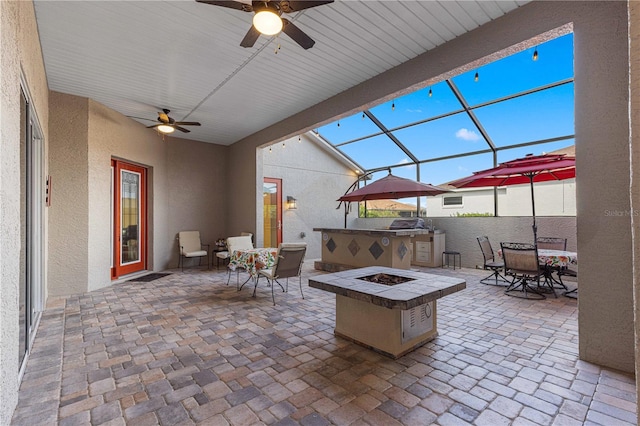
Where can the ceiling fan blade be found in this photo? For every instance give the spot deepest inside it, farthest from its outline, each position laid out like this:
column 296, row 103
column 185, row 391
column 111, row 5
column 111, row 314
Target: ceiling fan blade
column 187, row 123
column 230, row 4
column 182, row 129
column 297, row 34
column 154, row 125
column 250, row 38
column 294, row 6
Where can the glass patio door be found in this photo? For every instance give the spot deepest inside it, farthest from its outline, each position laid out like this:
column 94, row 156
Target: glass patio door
column 31, row 251
column 272, row 211
column 129, row 218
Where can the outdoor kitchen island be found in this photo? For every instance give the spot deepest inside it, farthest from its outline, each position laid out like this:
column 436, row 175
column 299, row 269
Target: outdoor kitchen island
column 355, row 248
column 392, row 311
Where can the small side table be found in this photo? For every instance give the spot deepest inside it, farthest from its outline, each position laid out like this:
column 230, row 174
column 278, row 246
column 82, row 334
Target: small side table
column 217, row 253
column 447, row 254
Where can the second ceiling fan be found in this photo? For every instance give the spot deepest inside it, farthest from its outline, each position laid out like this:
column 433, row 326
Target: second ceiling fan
column 268, row 18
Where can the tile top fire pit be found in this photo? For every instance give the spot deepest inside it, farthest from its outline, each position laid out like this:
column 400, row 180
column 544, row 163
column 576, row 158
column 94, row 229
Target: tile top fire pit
column 402, row 289
column 388, row 310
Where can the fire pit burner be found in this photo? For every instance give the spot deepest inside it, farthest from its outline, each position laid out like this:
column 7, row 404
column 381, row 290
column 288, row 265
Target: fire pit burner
column 386, row 279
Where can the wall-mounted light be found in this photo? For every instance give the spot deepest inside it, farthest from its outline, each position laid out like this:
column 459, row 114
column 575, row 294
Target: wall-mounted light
column 291, row 203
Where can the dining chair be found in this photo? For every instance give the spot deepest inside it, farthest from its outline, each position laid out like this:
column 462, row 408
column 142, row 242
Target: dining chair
column 288, row 265
column 242, row 242
column 556, row 243
column 552, row 243
column 189, row 246
column 521, row 262
column 224, row 254
column 490, row 262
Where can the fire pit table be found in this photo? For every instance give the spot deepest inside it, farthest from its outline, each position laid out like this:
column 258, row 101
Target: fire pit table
column 392, row 311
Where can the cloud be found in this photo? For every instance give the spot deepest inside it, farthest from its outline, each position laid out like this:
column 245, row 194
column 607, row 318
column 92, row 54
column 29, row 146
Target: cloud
column 413, row 110
column 407, row 161
column 467, row 135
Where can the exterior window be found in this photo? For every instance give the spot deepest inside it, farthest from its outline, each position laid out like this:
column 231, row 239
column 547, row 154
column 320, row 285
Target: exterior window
column 452, row 201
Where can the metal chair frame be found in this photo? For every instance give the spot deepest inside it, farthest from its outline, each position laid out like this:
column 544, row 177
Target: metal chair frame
column 490, row 262
column 288, row 265
column 521, row 262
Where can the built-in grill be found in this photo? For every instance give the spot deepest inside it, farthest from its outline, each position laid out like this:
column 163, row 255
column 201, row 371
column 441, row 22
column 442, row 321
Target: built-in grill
column 413, row 223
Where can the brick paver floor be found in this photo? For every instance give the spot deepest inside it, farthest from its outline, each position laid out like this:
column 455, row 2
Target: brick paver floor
column 189, row 349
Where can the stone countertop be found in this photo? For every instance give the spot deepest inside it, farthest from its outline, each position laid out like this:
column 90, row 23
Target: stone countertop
column 422, row 289
column 377, row 232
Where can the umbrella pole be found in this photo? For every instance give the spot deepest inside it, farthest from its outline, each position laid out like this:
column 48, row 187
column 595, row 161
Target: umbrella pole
column 533, row 208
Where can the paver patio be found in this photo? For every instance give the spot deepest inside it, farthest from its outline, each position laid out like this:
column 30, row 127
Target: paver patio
column 188, row 349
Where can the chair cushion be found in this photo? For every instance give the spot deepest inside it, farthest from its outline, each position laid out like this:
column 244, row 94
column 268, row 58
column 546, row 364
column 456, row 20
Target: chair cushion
column 189, row 241
column 222, row 254
column 197, row 253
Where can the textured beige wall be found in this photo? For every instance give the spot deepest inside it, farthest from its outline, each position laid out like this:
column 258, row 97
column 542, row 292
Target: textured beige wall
column 605, row 318
column 20, row 48
column 68, row 214
column 316, row 179
column 197, row 192
column 634, row 60
column 186, row 190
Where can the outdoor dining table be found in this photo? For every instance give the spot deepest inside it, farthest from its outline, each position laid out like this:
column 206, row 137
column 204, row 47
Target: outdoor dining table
column 557, row 258
column 253, row 260
column 554, row 258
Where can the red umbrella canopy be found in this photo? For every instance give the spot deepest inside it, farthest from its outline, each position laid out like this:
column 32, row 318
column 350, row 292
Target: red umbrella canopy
column 392, row 187
column 541, row 167
column 530, row 169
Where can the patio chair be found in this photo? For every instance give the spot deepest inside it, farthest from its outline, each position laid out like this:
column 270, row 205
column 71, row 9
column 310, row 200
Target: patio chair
column 237, row 243
column 490, row 262
column 521, row 263
column 552, row 243
column 189, row 246
column 288, row 264
column 555, row 243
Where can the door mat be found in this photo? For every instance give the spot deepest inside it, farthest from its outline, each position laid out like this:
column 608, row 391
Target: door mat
column 149, row 277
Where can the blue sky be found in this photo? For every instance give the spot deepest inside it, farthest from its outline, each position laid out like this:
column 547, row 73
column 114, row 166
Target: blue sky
column 537, row 116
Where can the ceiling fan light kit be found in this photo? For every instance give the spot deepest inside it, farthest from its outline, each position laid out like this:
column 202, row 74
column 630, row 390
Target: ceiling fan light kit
column 164, row 128
column 268, row 20
column 167, row 124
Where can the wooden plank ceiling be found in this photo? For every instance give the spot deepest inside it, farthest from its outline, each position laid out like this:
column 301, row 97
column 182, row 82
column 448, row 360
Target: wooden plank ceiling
column 137, row 57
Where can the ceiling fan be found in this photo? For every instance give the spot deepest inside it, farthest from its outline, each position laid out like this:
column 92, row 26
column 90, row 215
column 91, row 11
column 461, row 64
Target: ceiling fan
column 168, row 125
column 268, row 18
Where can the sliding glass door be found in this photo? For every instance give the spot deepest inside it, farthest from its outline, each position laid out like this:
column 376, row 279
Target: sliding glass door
column 32, row 193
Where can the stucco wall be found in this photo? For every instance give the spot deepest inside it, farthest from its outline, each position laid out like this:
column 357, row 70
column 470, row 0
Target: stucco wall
column 197, row 193
column 68, row 214
column 187, row 190
column 552, row 199
column 316, row 179
column 634, row 60
column 20, row 48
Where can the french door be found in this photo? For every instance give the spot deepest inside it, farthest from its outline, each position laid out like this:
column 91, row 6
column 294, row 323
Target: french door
column 272, row 211
column 129, row 218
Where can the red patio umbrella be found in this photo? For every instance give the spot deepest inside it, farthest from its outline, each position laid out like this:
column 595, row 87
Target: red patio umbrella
column 529, row 169
column 392, row 187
